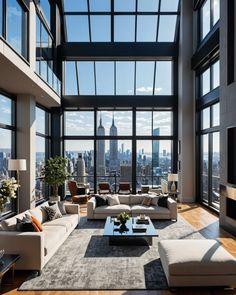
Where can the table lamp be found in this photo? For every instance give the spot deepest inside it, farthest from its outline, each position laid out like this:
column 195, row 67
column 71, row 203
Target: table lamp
column 172, row 177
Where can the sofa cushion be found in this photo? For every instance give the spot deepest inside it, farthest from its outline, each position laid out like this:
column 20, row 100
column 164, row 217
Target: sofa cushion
column 113, row 200
column 162, row 201
column 113, row 209
column 53, row 212
column 200, row 257
column 52, row 236
column 101, row 200
column 136, row 199
column 147, row 201
column 139, row 209
column 124, row 199
column 40, row 213
column 10, row 223
column 68, row 221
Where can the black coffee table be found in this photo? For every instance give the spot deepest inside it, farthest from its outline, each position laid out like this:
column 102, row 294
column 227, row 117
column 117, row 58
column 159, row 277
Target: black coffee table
column 8, row 262
column 129, row 236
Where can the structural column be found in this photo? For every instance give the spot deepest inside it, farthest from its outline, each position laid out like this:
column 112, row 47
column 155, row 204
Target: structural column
column 186, row 132
column 25, row 143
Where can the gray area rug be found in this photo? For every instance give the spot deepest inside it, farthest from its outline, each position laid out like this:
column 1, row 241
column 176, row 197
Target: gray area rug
column 86, row 261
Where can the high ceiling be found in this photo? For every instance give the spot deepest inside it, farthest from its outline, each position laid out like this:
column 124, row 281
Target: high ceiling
column 121, row 20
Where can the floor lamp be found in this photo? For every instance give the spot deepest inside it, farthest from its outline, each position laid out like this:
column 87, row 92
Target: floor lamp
column 17, row 165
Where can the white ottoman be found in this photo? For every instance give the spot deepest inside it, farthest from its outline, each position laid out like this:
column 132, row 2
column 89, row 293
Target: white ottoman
column 197, row 263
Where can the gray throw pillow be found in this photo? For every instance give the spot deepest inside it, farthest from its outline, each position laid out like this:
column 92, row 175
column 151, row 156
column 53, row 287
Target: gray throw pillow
column 113, row 200
column 53, row 212
column 61, row 206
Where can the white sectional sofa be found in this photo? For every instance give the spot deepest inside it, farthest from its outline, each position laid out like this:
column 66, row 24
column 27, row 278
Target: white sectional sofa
column 132, row 204
column 36, row 248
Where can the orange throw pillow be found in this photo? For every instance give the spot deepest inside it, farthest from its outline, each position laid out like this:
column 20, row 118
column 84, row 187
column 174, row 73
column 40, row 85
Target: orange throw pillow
column 36, row 223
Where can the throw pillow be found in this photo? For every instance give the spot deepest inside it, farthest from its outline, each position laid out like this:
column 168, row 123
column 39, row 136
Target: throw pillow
column 53, row 212
column 101, row 200
column 37, row 223
column 162, row 201
column 61, row 206
column 147, row 201
column 154, row 201
column 113, row 200
column 25, row 224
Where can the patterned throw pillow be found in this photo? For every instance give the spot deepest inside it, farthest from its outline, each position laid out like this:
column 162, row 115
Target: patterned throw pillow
column 147, row 201
column 61, row 206
column 53, row 212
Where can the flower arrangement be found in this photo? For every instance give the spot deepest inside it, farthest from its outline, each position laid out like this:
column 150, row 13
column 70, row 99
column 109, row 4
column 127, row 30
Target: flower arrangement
column 123, row 217
column 8, row 188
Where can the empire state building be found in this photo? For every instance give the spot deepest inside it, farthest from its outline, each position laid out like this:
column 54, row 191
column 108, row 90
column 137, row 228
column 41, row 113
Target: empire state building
column 113, row 147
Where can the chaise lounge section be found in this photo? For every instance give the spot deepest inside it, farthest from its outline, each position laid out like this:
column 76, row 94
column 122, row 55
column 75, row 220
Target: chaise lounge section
column 132, row 204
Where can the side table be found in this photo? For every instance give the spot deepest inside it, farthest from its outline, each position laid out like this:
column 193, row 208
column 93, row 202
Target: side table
column 8, row 262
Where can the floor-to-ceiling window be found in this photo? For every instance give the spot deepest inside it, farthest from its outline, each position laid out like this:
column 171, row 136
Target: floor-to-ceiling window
column 42, row 145
column 133, row 145
column 14, row 25
column 7, row 142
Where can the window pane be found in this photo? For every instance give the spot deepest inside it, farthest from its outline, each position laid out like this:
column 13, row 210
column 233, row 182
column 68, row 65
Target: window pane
column 124, row 28
column 162, row 159
column 124, row 78
column 100, row 28
column 46, row 7
column 144, row 163
column 205, row 19
column 80, row 154
column 206, row 118
column 77, row 28
column 40, row 121
column 205, row 82
column 40, row 154
column 167, row 27
column 162, row 123
column 72, row 5
column 205, row 167
column 169, row 5
column 99, row 5
column 5, row 110
column 216, row 74
column 216, row 115
column 117, row 123
column 143, row 123
column 216, row 168
column 124, row 5
column 163, row 82
column 14, row 22
column 216, row 11
column 1, row 12
column 114, row 161
column 144, row 78
column 79, row 123
column 146, row 28
column 105, row 78
column 86, row 77
column 148, row 5
column 5, row 151
column 70, row 78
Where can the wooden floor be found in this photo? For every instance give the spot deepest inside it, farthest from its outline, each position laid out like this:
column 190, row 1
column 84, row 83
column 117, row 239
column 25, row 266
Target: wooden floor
column 205, row 221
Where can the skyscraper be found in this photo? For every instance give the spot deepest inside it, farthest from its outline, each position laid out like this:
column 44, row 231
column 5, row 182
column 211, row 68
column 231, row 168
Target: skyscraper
column 101, row 170
column 156, row 149
column 113, row 147
column 81, row 169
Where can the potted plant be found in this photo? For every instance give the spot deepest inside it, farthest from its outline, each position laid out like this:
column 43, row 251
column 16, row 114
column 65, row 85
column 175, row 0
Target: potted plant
column 55, row 174
column 8, row 188
column 123, row 217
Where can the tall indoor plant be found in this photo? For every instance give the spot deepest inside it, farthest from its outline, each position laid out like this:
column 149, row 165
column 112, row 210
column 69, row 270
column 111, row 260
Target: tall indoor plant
column 55, row 173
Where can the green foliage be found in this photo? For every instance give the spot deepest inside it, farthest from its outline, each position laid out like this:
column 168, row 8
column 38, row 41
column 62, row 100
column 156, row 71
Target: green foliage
column 55, row 172
column 123, row 216
column 8, row 188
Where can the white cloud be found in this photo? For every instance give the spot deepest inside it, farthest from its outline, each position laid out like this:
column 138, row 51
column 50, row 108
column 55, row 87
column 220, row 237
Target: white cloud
column 5, row 110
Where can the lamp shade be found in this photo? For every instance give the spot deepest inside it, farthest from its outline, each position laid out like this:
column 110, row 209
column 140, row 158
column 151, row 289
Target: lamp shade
column 172, row 177
column 17, row 164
